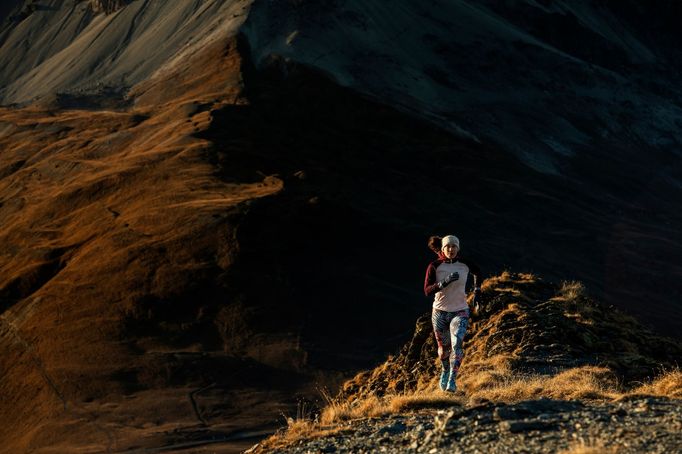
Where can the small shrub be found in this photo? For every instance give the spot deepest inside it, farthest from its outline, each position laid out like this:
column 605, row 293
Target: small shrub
column 571, row 290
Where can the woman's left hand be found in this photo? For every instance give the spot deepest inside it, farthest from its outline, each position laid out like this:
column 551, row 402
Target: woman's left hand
column 476, row 303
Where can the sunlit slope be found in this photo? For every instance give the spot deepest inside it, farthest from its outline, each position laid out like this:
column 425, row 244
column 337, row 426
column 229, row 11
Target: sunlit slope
column 76, row 49
column 115, row 232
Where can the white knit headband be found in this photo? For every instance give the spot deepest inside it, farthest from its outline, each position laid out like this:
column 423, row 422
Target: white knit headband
column 449, row 239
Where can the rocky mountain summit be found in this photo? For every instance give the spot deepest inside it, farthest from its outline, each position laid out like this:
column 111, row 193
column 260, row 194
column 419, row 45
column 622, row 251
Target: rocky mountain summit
column 546, row 369
column 528, row 326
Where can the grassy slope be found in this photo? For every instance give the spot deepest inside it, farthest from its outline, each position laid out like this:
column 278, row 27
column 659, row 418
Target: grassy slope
column 116, row 237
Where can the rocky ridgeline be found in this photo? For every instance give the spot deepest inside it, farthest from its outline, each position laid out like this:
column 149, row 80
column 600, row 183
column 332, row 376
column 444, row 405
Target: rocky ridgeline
column 537, row 330
column 96, row 6
column 634, row 425
column 535, row 327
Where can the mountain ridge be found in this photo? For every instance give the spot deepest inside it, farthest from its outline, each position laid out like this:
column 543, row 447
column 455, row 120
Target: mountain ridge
column 184, row 255
column 545, row 367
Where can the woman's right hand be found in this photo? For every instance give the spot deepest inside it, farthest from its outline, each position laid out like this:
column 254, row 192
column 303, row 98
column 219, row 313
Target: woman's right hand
column 452, row 277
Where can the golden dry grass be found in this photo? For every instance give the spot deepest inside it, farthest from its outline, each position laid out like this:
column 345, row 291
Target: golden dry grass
column 668, row 384
column 494, row 379
column 506, row 278
column 571, row 290
column 389, row 404
column 589, row 447
column 584, row 383
column 296, row 430
column 305, row 425
column 362, row 408
column 500, row 384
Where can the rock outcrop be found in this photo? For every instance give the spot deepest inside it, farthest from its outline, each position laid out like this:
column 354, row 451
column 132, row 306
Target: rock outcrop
column 632, row 426
column 534, row 328
column 571, row 370
column 106, row 6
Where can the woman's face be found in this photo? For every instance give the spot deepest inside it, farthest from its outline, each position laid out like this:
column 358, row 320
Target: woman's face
column 450, row 251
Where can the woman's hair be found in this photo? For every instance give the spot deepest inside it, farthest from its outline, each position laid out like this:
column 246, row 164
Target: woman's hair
column 434, row 243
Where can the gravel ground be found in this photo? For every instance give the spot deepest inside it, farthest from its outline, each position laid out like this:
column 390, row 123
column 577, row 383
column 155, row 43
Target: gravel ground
column 634, row 425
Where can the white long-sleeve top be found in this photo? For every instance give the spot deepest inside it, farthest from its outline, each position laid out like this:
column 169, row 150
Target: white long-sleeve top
column 452, row 298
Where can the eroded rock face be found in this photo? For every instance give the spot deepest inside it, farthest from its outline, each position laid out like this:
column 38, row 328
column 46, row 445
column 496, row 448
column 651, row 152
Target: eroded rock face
column 104, row 47
column 107, row 6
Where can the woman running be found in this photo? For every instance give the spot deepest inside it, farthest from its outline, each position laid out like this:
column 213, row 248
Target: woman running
column 446, row 278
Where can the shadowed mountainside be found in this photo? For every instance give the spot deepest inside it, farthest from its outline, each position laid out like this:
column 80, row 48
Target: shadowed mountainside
column 584, row 93
column 581, row 92
column 128, row 279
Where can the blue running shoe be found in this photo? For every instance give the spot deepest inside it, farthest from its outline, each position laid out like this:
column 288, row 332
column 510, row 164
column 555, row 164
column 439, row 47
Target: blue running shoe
column 451, row 385
column 444, row 375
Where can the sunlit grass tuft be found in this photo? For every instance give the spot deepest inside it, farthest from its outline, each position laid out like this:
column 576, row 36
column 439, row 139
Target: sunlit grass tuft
column 668, row 384
column 502, row 385
column 496, row 382
column 589, row 447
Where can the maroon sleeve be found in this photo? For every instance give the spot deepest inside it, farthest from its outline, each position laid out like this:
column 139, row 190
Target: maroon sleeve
column 430, row 284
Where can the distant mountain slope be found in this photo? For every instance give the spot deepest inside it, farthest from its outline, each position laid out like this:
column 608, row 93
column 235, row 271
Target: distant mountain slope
column 544, row 80
column 74, row 47
column 585, row 92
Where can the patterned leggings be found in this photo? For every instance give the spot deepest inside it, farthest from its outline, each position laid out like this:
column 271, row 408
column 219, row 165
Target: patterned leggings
column 450, row 328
